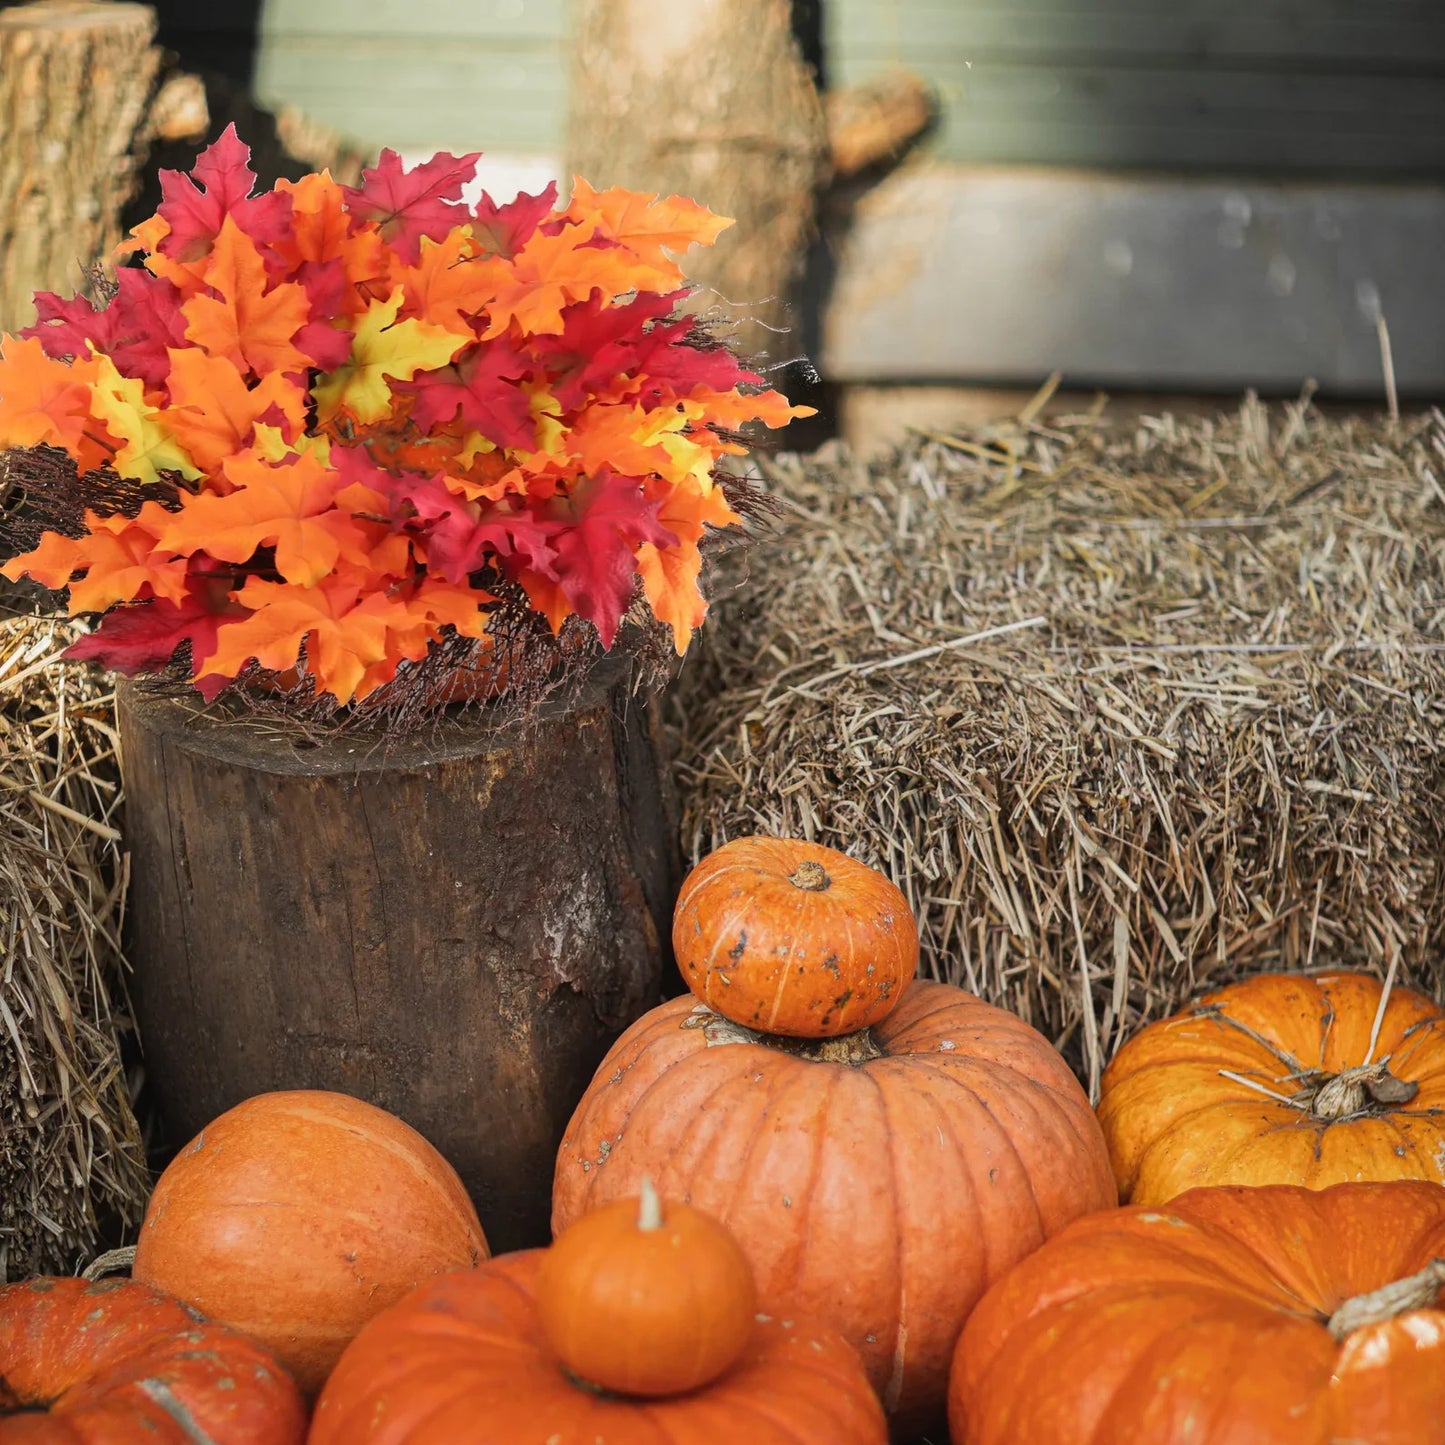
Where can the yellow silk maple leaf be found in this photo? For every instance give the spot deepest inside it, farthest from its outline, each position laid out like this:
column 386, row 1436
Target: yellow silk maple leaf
column 670, row 575
column 289, row 506
column 645, row 224
column 118, row 554
column 250, row 326
column 213, row 413
column 552, row 271
column 148, row 446
column 383, row 347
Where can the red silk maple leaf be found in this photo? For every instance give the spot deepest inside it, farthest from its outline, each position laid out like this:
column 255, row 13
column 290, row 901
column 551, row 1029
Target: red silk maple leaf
column 134, row 330
column 195, row 215
column 407, row 205
column 480, row 387
column 598, row 341
column 459, row 536
column 504, row 230
column 144, row 636
column 594, row 534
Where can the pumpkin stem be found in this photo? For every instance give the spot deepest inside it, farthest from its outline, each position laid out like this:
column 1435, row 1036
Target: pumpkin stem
column 1416, row 1292
column 1363, row 1089
column 855, row 1049
column 649, row 1208
column 111, row 1262
column 810, row 877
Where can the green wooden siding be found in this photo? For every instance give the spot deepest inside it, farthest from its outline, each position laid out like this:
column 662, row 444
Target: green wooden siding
column 1315, row 87
column 1328, row 86
column 421, row 75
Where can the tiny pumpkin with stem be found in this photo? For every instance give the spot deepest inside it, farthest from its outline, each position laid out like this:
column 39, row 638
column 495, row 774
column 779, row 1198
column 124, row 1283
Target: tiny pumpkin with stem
column 793, row 938
column 645, row 1303
column 1280, row 1079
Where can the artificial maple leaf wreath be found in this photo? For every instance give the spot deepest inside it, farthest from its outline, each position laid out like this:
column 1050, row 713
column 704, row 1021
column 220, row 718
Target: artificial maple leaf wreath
column 348, row 445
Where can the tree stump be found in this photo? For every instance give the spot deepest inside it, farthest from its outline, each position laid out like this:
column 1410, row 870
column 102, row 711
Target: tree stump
column 709, row 99
column 75, row 81
column 453, row 927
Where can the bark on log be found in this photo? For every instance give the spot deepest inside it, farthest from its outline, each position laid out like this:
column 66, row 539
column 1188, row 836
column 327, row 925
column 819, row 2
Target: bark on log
column 708, row 99
column 75, row 80
column 454, row 928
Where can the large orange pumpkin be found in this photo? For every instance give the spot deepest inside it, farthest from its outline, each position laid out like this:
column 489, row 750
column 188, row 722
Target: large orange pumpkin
column 793, row 938
column 1263, row 1316
column 879, row 1181
column 297, row 1216
column 465, row 1359
column 1272, row 1081
column 113, row 1362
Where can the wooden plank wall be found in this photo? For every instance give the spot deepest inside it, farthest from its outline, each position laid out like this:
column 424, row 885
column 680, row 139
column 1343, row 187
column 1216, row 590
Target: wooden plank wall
column 1317, row 87
column 421, row 75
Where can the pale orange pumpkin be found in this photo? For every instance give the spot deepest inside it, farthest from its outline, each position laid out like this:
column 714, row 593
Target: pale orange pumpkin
column 1273, row 1081
column 643, row 1300
column 879, row 1182
column 793, row 938
column 297, row 1216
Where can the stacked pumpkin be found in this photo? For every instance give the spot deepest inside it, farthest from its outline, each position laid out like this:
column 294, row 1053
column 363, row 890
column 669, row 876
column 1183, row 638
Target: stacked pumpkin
column 883, row 1147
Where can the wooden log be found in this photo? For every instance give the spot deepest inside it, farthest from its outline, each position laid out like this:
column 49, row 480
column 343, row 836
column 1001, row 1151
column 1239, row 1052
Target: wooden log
column 874, row 121
column 708, row 99
column 453, row 927
column 75, row 80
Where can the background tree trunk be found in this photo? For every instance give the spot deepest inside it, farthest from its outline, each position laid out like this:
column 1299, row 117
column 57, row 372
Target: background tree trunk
column 708, row 99
column 453, row 927
column 75, row 80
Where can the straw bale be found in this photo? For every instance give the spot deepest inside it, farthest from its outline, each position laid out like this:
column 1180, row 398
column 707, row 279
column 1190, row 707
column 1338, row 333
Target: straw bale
column 1127, row 710
column 72, row 1166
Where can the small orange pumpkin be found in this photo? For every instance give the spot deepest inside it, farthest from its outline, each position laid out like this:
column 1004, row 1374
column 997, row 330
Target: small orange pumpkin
column 113, row 1361
column 793, row 938
column 1272, row 1081
column 466, row 1358
column 297, row 1216
column 643, row 1304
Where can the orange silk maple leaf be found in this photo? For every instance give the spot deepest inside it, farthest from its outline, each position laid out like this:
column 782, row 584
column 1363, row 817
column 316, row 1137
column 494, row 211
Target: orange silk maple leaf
column 249, row 325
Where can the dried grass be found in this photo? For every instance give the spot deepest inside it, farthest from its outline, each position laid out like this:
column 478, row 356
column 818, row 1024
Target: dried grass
column 72, row 1164
column 1127, row 710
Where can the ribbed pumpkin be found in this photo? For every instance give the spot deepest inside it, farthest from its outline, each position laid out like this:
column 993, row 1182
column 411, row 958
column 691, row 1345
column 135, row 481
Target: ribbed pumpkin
column 879, row 1181
column 646, row 1301
column 793, row 938
column 1273, row 1081
column 1233, row 1316
column 114, row 1362
column 465, row 1359
column 297, row 1216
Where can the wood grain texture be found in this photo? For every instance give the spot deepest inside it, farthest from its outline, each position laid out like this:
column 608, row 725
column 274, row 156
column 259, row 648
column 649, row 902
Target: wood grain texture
column 454, row 928
column 709, row 100
column 75, row 79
